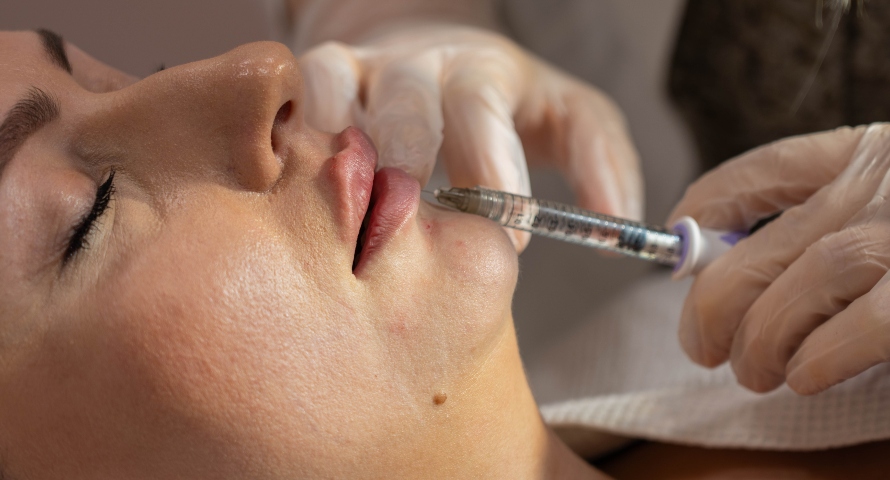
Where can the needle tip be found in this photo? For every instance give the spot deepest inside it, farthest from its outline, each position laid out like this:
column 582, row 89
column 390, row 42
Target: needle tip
column 453, row 198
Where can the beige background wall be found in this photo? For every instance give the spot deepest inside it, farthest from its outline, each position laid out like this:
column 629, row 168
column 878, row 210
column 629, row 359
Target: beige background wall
column 137, row 36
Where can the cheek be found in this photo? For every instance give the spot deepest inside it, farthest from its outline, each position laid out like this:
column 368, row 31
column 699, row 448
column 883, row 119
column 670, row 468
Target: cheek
column 214, row 324
column 192, row 351
column 247, row 343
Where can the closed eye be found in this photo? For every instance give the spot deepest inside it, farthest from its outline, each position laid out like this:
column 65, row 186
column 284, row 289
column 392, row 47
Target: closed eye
column 80, row 235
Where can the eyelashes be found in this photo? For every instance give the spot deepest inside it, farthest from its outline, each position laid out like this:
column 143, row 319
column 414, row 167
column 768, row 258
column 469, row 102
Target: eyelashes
column 80, row 235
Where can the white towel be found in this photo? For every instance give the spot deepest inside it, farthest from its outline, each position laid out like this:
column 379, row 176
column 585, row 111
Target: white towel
column 622, row 372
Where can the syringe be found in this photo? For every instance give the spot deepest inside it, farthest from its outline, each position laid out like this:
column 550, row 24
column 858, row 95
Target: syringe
column 686, row 247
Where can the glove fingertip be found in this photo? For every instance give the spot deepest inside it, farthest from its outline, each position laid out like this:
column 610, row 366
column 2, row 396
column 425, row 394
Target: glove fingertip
column 756, row 381
column 693, row 340
column 688, row 333
column 410, row 146
column 802, row 377
column 801, row 384
column 519, row 239
column 633, row 209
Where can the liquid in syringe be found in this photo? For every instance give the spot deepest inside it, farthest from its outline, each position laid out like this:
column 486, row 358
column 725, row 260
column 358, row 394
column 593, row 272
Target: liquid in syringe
column 687, row 248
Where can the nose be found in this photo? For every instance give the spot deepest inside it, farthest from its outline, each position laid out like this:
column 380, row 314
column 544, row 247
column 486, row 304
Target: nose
column 225, row 118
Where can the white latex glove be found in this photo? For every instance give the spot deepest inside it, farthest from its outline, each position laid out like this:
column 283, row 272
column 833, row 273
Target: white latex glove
column 806, row 299
column 483, row 103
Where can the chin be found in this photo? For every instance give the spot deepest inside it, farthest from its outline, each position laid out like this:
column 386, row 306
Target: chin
column 477, row 254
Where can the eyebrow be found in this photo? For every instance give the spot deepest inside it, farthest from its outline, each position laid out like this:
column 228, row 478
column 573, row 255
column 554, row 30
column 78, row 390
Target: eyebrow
column 54, row 46
column 37, row 109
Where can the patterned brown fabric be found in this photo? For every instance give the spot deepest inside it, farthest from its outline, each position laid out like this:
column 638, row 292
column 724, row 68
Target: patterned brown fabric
column 739, row 66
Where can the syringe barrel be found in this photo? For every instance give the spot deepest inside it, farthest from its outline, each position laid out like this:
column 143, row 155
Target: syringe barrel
column 575, row 225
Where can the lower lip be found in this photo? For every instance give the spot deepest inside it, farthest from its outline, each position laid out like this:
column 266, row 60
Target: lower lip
column 395, row 196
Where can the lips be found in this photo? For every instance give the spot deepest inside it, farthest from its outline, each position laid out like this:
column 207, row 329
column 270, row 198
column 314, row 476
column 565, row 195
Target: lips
column 394, row 200
column 374, row 207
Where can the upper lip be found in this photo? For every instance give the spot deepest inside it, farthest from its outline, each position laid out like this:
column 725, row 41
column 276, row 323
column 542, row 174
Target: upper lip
column 353, row 169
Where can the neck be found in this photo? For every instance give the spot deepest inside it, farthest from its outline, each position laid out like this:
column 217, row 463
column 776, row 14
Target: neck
column 498, row 431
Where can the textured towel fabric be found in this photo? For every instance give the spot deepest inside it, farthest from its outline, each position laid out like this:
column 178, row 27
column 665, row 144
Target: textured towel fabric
column 623, row 372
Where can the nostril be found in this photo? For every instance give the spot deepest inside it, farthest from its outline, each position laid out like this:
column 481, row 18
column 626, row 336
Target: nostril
column 281, row 118
column 283, row 113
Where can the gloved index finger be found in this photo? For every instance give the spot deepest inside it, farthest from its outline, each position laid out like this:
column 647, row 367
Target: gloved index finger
column 404, row 116
column 845, row 346
column 332, row 79
column 567, row 124
column 768, row 179
column 481, row 146
column 602, row 164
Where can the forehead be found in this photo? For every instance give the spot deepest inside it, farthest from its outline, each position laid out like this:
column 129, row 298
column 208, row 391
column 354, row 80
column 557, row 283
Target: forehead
column 17, row 46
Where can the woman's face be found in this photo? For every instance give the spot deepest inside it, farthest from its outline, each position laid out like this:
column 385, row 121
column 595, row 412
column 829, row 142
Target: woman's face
column 200, row 311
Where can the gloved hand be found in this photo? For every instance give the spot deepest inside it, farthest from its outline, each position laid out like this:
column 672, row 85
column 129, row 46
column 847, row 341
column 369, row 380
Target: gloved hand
column 480, row 101
column 806, row 299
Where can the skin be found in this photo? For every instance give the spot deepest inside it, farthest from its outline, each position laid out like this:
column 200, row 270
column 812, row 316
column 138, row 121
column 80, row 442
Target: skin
column 214, row 327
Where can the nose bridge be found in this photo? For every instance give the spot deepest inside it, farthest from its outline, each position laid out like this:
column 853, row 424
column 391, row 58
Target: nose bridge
column 261, row 72
column 216, row 117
